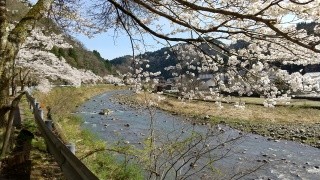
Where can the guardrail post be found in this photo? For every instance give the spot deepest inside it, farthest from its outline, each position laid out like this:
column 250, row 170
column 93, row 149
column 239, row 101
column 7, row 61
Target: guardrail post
column 48, row 124
column 41, row 113
column 37, row 104
column 72, row 147
column 35, row 107
column 30, row 104
column 71, row 166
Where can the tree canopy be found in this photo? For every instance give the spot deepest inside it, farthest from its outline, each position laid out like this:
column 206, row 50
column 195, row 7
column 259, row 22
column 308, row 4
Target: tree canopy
column 270, row 28
column 269, row 32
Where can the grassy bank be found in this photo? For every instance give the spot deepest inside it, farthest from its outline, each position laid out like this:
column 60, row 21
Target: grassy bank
column 299, row 123
column 42, row 164
column 65, row 100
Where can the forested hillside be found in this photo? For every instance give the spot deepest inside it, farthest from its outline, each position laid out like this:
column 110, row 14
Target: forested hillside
column 78, row 56
column 158, row 61
column 182, row 54
column 167, row 56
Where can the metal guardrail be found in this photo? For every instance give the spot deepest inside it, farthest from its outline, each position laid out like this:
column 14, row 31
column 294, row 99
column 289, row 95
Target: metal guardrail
column 71, row 166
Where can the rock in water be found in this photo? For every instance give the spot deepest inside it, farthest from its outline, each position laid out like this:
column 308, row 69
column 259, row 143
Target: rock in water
column 105, row 112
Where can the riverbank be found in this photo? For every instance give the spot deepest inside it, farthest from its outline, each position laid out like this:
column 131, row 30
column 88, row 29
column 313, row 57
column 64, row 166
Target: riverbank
column 129, row 124
column 298, row 123
column 63, row 101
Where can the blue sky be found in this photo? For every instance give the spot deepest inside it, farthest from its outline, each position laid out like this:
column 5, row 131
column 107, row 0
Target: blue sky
column 111, row 47
column 106, row 45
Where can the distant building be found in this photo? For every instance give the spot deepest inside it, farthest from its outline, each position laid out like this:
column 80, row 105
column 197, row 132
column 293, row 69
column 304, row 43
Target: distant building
column 172, row 80
column 315, row 78
column 210, row 80
column 164, row 86
column 205, row 77
column 313, row 75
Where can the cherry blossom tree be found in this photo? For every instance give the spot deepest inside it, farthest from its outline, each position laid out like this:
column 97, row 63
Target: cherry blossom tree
column 11, row 39
column 269, row 27
column 14, row 33
column 35, row 55
column 23, row 77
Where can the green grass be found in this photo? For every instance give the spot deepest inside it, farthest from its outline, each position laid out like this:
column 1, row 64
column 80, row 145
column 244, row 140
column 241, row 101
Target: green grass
column 29, row 124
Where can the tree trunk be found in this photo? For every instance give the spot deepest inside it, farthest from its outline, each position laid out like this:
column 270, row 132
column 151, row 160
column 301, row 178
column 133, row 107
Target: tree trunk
column 22, row 86
column 14, row 105
column 4, row 99
column 10, row 43
column 13, row 87
column 23, row 78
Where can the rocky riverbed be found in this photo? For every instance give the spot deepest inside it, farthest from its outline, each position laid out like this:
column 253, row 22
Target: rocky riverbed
column 305, row 133
column 274, row 159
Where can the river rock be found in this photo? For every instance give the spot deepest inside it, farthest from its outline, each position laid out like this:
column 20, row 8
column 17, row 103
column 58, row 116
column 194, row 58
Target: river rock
column 309, row 134
column 127, row 125
column 193, row 165
column 222, row 122
column 105, row 112
column 303, row 138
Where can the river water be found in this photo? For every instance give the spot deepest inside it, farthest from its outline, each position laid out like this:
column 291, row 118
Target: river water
column 244, row 153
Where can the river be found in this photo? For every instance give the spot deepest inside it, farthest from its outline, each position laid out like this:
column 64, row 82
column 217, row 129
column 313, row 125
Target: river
column 278, row 159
